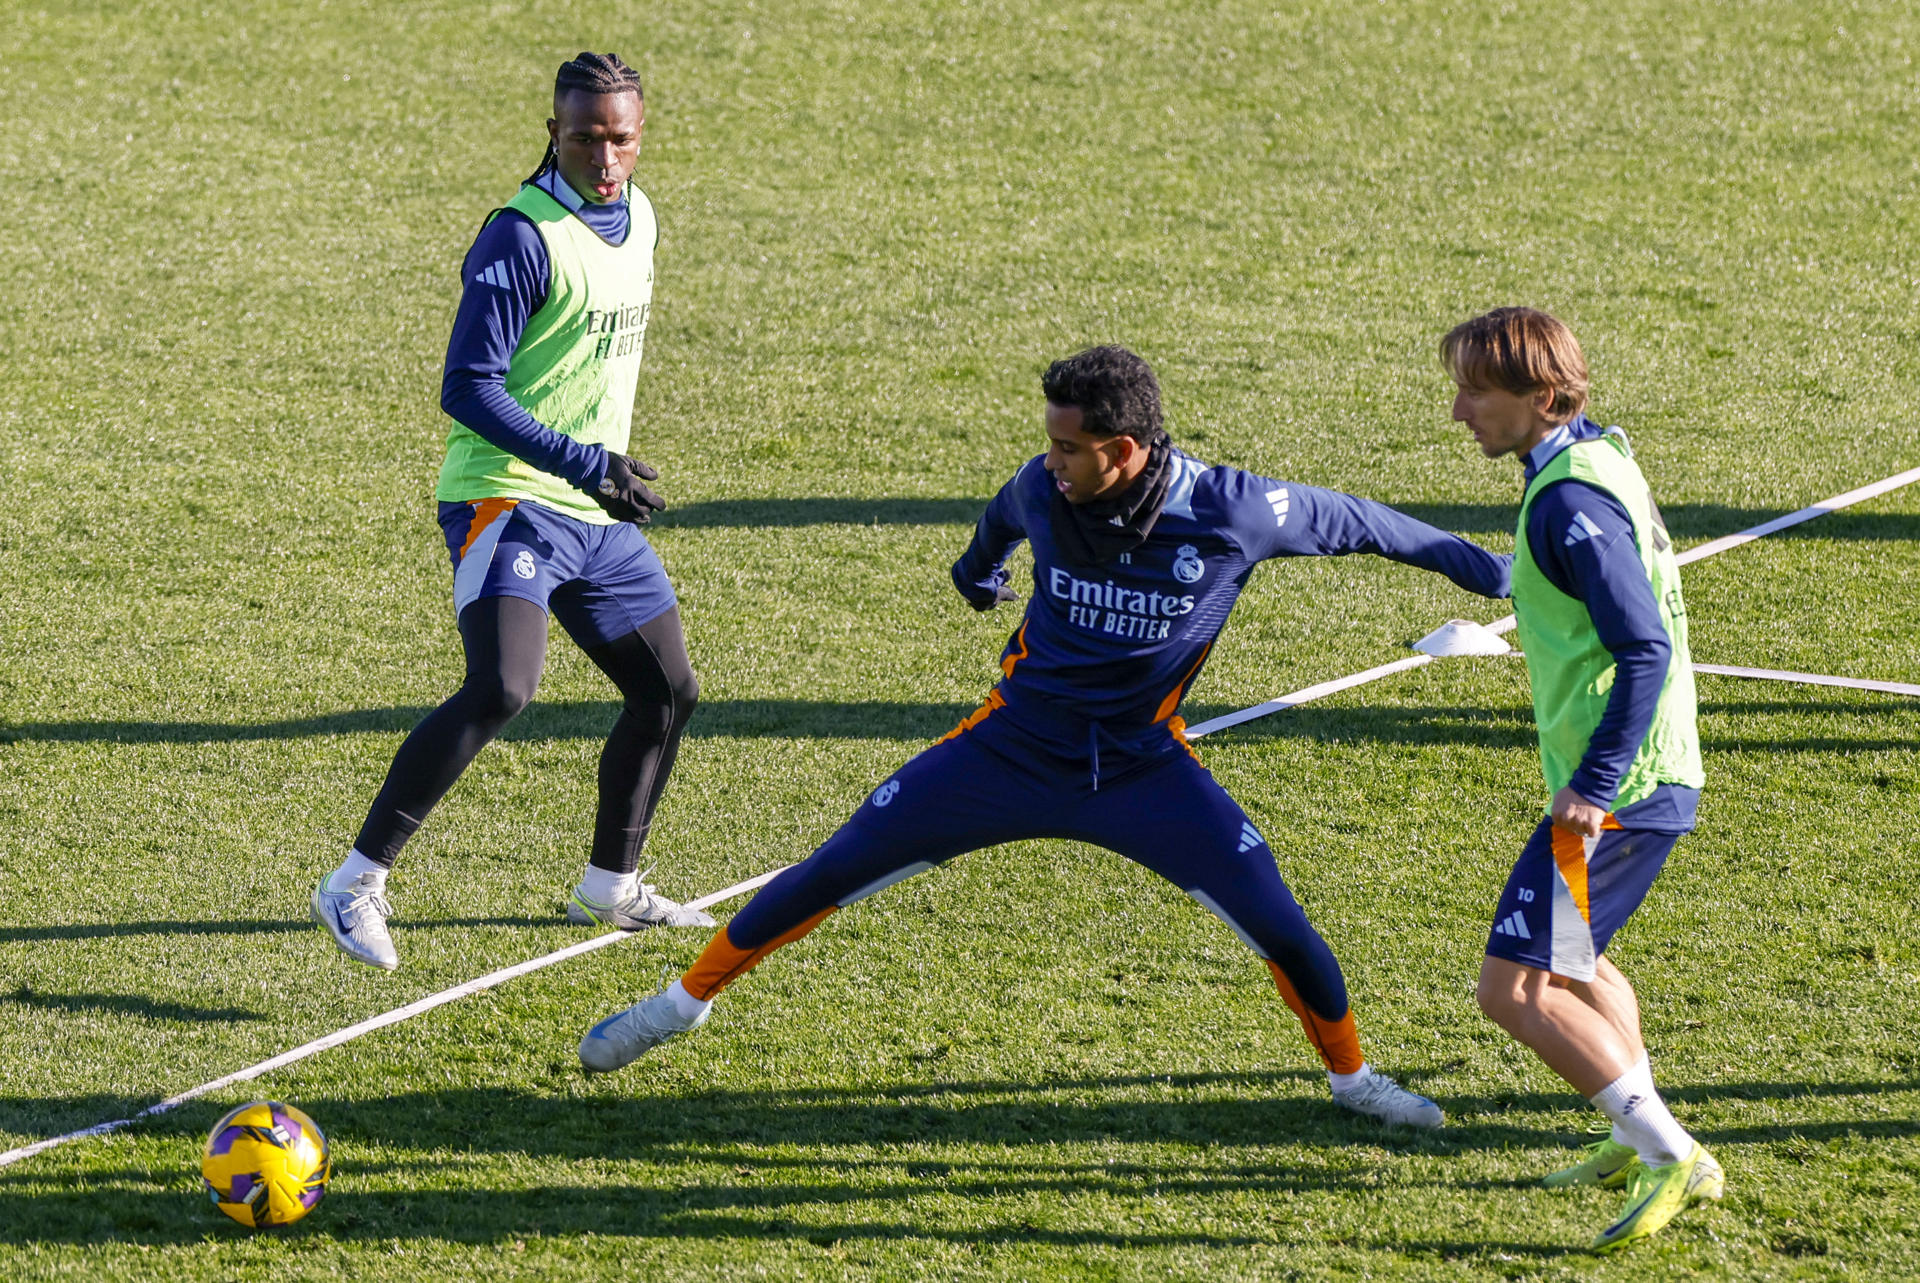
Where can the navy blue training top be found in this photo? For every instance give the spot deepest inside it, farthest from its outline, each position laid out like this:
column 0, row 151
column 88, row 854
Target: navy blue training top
column 1119, row 644
column 1582, row 540
column 506, row 277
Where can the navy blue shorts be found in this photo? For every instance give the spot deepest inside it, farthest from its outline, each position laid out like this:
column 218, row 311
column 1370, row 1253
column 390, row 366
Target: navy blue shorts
column 600, row 581
column 986, row 784
column 1567, row 895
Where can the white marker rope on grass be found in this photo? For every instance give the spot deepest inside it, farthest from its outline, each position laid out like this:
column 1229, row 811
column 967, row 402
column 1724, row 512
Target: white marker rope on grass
column 1298, row 697
column 381, row 1021
column 1809, row 679
column 1310, row 693
column 1507, row 623
column 1820, row 509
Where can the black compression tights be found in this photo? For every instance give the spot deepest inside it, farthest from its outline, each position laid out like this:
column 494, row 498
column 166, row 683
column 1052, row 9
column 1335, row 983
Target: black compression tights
column 506, row 641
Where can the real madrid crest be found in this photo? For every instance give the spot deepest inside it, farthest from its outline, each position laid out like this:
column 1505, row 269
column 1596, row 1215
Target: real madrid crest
column 1187, row 566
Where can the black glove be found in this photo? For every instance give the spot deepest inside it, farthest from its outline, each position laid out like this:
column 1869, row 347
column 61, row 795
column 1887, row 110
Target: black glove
column 1000, row 593
column 623, row 491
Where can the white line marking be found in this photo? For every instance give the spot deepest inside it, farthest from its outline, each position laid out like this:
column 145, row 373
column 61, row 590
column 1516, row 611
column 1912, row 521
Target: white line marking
column 381, row 1021
column 1306, row 695
column 1302, row 696
column 1810, row 679
column 1507, row 623
column 1820, row 509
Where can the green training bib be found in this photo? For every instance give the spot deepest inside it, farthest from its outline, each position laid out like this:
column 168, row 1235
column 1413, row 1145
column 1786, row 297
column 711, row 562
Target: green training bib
column 1571, row 672
column 578, row 362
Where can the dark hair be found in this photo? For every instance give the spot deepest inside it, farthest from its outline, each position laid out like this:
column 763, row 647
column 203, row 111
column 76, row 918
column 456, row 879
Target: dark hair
column 1113, row 389
column 590, row 73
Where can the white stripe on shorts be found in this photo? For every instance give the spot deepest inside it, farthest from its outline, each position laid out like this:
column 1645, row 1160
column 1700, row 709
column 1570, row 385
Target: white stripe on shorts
column 471, row 574
column 1573, row 955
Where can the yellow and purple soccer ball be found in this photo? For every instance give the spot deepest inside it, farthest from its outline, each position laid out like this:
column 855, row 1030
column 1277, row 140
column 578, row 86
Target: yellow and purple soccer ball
column 266, row 1164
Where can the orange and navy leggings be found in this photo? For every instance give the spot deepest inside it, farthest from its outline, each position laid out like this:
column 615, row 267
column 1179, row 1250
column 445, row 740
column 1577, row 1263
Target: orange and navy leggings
column 970, row 791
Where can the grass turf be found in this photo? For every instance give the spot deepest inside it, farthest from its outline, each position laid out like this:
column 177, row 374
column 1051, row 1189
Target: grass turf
column 234, row 250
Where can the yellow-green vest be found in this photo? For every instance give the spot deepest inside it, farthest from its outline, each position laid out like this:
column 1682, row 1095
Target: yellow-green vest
column 1571, row 671
column 578, row 362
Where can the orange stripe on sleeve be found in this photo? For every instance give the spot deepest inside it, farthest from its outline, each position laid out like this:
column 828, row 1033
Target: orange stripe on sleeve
column 485, row 512
column 1338, row 1041
column 722, row 961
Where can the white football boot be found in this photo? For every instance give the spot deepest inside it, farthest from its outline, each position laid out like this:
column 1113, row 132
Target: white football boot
column 1378, row 1096
column 625, row 1036
column 357, row 920
column 637, row 912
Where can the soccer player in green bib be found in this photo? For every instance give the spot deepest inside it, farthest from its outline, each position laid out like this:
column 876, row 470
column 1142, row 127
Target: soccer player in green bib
column 541, row 508
column 1596, row 591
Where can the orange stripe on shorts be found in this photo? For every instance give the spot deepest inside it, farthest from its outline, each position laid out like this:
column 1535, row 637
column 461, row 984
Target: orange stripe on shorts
column 1570, row 857
column 485, row 512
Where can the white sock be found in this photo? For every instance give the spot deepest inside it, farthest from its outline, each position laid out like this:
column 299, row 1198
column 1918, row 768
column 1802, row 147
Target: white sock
column 685, row 1004
column 603, row 886
column 1640, row 1117
column 1346, row 1082
column 353, row 868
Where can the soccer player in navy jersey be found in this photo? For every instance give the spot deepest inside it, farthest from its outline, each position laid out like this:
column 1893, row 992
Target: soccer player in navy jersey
column 541, row 510
column 1596, row 593
column 1139, row 552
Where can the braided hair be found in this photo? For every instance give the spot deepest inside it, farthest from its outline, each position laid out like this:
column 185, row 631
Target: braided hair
column 592, row 73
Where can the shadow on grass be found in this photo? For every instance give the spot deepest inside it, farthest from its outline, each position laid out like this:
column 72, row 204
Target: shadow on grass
column 721, row 1164
column 1687, row 521
column 736, row 1211
column 767, row 1164
column 823, row 511
column 1513, row 727
column 919, row 724
column 1509, row 727
column 544, row 720
column 124, row 1004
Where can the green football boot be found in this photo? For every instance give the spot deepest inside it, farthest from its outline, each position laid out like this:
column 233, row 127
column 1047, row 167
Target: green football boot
column 1608, row 1164
column 1655, row 1195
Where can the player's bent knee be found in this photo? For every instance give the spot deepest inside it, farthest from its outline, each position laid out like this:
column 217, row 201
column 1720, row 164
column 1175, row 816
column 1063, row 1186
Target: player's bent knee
column 1502, row 992
column 686, row 697
column 497, row 701
column 1493, row 999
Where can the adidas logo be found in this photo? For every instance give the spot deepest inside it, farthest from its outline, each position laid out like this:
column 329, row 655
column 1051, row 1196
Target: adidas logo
column 1583, row 528
column 1514, row 925
column 495, row 275
column 1249, row 836
column 1278, row 500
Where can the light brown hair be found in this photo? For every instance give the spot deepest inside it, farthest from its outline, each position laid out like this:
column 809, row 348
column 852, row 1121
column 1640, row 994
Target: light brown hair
column 1519, row 350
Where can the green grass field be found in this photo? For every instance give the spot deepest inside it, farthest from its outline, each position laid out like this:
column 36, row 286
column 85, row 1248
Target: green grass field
column 232, row 251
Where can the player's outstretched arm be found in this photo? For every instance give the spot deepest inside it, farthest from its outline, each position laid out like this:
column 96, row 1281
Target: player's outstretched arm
column 1309, row 521
column 980, row 575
